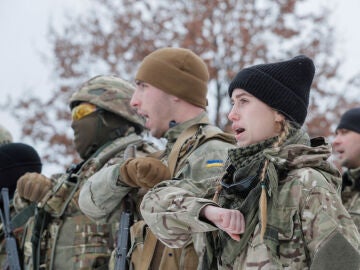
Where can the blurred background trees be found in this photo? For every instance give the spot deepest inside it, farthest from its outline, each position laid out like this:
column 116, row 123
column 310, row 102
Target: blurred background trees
column 113, row 36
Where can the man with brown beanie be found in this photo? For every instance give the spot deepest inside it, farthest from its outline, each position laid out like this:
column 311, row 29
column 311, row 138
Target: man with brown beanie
column 171, row 95
column 347, row 146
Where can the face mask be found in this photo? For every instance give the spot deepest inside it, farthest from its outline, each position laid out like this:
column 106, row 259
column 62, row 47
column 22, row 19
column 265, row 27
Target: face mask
column 85, row 133
column 95, row 129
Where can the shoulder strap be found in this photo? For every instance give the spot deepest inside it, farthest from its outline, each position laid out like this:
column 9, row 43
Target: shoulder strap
column 174, row 154
column 191, row 139
column 148, row 250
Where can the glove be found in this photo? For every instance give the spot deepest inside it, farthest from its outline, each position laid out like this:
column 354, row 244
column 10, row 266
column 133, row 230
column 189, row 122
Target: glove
column 33, row 186
column 143, row 172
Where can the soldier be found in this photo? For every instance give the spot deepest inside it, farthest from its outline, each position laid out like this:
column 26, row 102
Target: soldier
column 347, row 147
column 61, row 236
column 171, row 94
column 5, row 136
column 276, row 205
column 16, row 159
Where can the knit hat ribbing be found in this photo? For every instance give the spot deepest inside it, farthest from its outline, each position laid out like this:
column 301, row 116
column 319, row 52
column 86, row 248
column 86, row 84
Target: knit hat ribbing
column 350, row 120
column 17, row 159
column 284, row 86
column 176, row 71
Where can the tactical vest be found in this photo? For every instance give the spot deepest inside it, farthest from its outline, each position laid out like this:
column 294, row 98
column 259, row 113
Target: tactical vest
column 147, row 253
column 70, row 239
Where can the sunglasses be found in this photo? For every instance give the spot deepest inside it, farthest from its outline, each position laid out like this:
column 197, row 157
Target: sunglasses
column 82, row 110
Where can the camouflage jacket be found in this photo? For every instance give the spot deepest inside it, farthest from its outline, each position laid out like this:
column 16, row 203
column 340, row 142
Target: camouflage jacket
column 71, row 240
column 351, row 194
column 203, row 161
column 309, row 218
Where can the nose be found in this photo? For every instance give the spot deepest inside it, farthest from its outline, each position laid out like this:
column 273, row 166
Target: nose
column 337, row 140
column 233, row 114
column 135, row 101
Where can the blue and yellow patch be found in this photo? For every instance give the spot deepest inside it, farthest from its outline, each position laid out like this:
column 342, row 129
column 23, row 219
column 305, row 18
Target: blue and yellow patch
column 214, row 163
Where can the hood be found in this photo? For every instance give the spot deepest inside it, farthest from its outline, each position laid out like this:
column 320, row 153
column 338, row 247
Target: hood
column 297, row 156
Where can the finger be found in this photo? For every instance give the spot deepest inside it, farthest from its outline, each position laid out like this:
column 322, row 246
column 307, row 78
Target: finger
column 131, row 169
column 235, row 237
column 241, row 223
column 232, row 221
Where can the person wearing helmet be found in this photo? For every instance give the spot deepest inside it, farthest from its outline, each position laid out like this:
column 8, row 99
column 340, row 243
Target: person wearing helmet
column 104, row 128
column 5, row 136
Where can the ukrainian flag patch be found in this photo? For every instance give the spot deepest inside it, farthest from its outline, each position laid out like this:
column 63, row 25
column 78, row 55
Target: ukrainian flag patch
column 214, row 163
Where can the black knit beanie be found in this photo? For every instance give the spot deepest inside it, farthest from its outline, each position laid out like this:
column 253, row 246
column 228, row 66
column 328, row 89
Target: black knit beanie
column 17, row 159
column 350, row 120
column 284, row 86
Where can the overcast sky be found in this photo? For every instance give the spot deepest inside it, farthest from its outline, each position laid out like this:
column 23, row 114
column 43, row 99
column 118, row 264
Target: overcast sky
column 24, row 25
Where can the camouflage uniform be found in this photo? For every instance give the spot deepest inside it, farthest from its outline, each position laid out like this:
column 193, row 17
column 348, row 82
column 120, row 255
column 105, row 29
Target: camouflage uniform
column 201, row 162
column 307, row 217
column 70, row 240
column 350, row 195
column 5, row 135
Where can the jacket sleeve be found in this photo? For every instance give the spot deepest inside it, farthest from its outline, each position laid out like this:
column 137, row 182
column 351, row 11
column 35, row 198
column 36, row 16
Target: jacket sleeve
column 100, row 195
column 330, row 235
column 171, row 209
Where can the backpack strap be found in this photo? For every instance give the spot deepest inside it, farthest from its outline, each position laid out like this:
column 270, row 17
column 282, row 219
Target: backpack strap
column 175, row 152
column 148, row 250
column 190, row 139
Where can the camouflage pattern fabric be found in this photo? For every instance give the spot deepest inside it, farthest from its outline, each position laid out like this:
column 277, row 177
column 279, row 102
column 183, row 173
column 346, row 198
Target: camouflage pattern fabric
column 351, row 195
column 103, row 91
column 5, row 136
column 72, row 240
column 308, row 216
column 204, row 161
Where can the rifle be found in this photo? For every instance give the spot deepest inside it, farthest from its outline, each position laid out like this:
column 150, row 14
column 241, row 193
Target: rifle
column 10, row 241
column 126, row 220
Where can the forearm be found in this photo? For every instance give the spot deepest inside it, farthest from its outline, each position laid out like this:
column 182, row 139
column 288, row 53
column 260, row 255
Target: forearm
column 101, row 193
column 176, row 216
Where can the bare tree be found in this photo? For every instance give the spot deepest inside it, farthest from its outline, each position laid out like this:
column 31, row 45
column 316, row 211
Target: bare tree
column 114, row 36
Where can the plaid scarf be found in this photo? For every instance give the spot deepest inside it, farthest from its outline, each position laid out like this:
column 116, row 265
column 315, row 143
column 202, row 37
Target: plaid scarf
column 241, row 189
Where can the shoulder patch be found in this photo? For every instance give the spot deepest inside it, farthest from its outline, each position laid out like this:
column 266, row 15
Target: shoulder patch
column 214, row 163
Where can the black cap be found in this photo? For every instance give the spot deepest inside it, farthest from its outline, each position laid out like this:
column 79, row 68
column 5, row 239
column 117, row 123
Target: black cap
column 17, row 159
column 350, row 120
column 284, row 86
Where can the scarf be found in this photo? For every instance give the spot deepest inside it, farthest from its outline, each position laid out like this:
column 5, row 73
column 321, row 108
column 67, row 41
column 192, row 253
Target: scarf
column 241, row 189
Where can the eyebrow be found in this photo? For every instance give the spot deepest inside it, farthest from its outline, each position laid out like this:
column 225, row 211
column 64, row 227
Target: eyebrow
column 239, row 96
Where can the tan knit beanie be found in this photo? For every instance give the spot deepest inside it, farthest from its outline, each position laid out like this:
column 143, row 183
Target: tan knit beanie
column 176, row 71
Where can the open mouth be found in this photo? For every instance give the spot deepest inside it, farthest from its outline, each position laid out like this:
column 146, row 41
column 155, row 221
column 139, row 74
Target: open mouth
column 143, row 115
column 239, row 131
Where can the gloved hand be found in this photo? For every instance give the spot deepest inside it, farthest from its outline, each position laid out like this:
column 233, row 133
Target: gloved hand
column 33, row 186
column 143, row 172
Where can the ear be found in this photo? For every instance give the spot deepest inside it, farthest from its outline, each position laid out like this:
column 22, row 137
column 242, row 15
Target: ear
column 279, row 117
